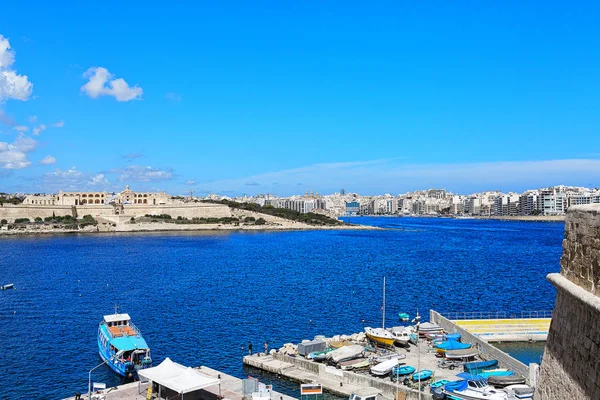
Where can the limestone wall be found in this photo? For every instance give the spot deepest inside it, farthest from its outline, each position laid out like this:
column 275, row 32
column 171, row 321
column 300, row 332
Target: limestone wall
column 11, row 212
column 571, row 365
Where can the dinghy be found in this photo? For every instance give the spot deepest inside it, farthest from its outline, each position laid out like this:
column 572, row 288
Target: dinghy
column 384, row 368
column 520, row 391
column 452, row 345
column 404, row 317
column 502, row 381
column 496, row 372
column 422, row 375
column 357, row 363
column 478, row 366
column 438, row 384
column 403, row 370
column 463, row 353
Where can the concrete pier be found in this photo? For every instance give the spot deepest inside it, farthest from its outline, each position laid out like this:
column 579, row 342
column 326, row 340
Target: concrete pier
column 343, row 383
column 507, row 329
column 231, row 389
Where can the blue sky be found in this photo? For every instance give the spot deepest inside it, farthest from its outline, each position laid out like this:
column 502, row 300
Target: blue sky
column 280, row 97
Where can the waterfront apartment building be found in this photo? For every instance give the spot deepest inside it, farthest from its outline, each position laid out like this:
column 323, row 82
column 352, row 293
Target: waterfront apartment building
column 352, row 207
column 552, row 201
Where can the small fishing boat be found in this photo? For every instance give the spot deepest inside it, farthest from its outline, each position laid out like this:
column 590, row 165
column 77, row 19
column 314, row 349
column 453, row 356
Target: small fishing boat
column 479, row 366
column 443, row 336
column 473, row 389
column 380, row 336
column 422, row 375
column 463, row 353
column 520, row 391
column 345, row 353
column 319, row 355
column 121, row 345
column 403, row 370
column 452, row 345
column 496, row 372
column 438, row 384
column 7, row 286
column 404, row 317
column 385, row 367
column 429, row 328
column 356, row 363
column 401, row 335
column 504, row 381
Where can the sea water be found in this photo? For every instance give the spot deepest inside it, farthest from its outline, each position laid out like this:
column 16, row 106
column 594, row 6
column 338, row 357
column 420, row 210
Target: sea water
column 200, row 298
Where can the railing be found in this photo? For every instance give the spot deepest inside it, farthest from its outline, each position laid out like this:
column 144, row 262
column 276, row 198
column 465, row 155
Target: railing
column 497, row 315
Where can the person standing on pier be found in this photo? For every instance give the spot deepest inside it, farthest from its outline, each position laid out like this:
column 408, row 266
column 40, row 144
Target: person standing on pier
column 250, row 348
column 266, row 348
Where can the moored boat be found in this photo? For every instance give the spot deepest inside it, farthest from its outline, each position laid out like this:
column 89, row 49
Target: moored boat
column 385, row 367
column 452, row 345
column 121, row 345
column 495, row 372
column 474, row 388
column 404, row 317
column 422, row 375
column 520, row 391
column 356, row 363
column 479, row 366
column 345, row 353
column 463, row 353
column 7, row 286
column 380, row 336
column 401, row 335
column 403, row 370
column 502, row 381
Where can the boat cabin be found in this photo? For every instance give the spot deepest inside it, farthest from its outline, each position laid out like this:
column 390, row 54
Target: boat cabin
column 119, row 338
column 368, row 393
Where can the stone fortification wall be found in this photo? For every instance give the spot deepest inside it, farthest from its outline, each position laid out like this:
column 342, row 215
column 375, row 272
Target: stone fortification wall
column 487, row 350
column 571, row 365
column 202, row 210
column 199, row 210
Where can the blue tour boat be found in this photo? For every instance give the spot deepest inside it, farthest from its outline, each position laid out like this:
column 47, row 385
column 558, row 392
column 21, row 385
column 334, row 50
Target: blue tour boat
column 121, row 345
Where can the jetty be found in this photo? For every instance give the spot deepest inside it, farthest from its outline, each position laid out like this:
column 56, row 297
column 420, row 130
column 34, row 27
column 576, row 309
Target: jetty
column 231, row 388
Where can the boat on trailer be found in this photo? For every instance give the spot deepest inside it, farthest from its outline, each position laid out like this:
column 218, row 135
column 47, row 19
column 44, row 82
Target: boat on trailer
column 122, row 346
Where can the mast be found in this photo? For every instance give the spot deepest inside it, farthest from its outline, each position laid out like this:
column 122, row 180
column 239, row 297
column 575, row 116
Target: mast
column 383, row 308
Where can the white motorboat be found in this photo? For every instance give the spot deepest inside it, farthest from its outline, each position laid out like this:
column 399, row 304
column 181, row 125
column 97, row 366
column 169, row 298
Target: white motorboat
column 384, row 368
column 401, row 335
column 473, row 389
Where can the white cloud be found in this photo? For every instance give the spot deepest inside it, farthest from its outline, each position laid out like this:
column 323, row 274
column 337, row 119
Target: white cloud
column 138, row 173
column 6, row 119
column 190, row 182
column 58, row 124
column 21, row 128
column 48, row 160
column 12, row 85
column 39, row 129
column 101, row 83
column 14, row 155
column 32, row 119
column 72, row 179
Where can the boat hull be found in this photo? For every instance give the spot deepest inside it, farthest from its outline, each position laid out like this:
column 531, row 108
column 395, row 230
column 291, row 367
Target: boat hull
column 381, row 340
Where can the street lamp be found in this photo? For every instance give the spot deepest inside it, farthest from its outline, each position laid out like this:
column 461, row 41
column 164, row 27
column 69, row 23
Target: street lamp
column 90, row 375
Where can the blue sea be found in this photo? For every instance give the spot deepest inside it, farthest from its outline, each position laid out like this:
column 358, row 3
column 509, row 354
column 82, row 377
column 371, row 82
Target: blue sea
column 200, row 298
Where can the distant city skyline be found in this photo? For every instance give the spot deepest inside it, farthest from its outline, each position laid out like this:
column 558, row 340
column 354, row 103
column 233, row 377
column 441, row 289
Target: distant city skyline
column 243, row 98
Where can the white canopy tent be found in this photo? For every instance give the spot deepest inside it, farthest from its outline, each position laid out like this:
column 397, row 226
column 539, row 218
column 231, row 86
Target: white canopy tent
column 178, row 378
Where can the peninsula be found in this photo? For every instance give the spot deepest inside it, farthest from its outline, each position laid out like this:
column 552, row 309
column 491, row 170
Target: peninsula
column 129, row 211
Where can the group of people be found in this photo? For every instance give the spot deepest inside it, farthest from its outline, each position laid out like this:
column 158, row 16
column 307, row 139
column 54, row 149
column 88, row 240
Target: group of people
column 266, row 346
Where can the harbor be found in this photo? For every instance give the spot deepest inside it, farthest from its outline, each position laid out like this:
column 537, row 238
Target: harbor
column 413, row 370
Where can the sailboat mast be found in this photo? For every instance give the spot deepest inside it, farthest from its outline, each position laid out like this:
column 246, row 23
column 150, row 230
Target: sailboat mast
column 383, row 308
